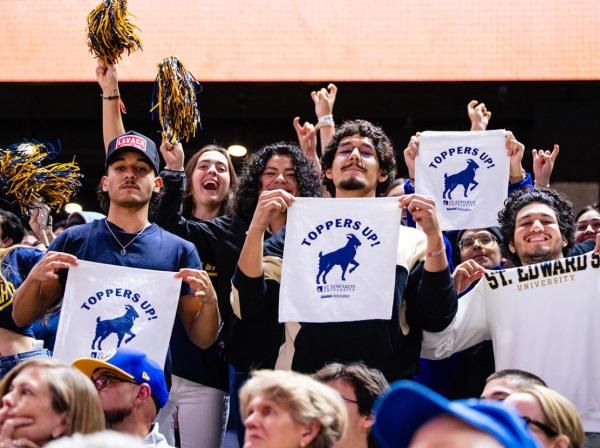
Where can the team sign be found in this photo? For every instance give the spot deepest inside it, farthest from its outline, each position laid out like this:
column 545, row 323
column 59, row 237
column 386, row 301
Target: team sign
column 340, row 260
column 467, row 175
column 107, row 306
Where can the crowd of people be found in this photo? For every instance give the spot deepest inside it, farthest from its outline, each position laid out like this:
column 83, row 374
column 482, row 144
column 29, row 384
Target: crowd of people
column 298, row 384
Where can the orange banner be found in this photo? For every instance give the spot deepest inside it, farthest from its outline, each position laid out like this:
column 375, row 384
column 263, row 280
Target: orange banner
column 315, row 40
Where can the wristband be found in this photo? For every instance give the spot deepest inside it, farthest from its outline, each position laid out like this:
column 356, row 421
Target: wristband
column 110, row 98
column 435, row 253
column 325, row 121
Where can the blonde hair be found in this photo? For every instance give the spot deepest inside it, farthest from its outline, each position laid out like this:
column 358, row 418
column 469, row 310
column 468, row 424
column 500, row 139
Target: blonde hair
column 306, row 399
column 561, row 415
column 71, row 392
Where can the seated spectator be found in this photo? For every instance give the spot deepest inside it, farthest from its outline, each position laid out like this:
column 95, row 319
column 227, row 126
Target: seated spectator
column 132, row 390
column 359, row 387
column 552, row 418
column 44, row 400
column 411, row 415
column 587, row 223
column 501, row 384
column 285, row 409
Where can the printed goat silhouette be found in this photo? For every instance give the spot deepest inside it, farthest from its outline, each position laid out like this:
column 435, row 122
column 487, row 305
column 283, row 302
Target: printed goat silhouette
column 465, row 178
column 119, row 325
column 342, row 256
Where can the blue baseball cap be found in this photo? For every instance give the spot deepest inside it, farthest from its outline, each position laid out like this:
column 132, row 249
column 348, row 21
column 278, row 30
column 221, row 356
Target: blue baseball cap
column 136, row 142
column 409, row 405
column 130, row 364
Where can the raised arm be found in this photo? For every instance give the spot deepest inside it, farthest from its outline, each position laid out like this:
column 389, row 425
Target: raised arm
column 410, row 154
column 271, row 209
column 543, row 165
column 41, row 288
column 112, row 123
column 324, row 100
column 422, row 209
column 307, row 138
column 479, row 115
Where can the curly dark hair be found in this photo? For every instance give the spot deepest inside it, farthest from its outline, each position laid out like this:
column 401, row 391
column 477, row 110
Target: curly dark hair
column 246, row 196
column 383, row 147
column 553, row 199
column 188, row 199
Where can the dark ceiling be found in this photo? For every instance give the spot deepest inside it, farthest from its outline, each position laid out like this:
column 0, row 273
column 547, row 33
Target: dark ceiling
column 540, row 114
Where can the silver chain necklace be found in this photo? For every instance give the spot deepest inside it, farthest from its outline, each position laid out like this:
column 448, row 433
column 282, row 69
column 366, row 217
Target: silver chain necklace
column 123, row 248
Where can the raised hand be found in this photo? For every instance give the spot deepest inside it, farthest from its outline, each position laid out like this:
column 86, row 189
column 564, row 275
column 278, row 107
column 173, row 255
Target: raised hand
column 466, row 273
column 543, row 165
column 307, row 138
column 272, row 204
column 173, row 155
column 410, row 154
column 324, row 100
column 422, row 209
column 515, row 150
column 479, row 115
column 108, row 78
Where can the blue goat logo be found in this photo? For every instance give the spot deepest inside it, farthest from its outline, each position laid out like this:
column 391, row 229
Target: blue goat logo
column 465, row 178
column 120, row 326
column 343, row 256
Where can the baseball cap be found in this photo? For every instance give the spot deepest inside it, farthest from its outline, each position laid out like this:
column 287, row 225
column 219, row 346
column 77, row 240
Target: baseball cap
column 136, row 142
column 409, row 405
column 130, row 364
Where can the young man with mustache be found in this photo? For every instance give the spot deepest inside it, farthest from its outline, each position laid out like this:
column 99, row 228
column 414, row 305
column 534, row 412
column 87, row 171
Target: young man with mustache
column 125, row 238
column 358, row 162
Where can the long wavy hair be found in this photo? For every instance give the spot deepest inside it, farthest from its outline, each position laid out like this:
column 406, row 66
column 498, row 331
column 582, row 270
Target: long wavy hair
column 188, row 199
column 249, row 186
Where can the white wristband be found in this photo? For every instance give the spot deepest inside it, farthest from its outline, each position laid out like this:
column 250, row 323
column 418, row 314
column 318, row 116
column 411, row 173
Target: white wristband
column 325, row 121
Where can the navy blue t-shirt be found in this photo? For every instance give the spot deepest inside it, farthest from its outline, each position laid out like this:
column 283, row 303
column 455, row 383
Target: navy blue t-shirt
column 16, row 264
column 154, row 249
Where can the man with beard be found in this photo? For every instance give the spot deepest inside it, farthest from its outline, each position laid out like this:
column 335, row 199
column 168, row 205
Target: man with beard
column 358, row 162
column 543, row 324
column 132, row 389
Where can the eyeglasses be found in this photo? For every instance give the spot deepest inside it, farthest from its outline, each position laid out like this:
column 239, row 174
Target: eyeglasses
column 485, row 240
column 103, row 380
column 345, row 153
column 544, row 427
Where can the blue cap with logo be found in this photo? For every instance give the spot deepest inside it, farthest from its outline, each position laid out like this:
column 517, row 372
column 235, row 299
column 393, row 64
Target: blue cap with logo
column 136, row 142
column 130, row 364
column 409, row 405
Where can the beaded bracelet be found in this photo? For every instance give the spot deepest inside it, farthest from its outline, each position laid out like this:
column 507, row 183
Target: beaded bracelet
column 110, row 98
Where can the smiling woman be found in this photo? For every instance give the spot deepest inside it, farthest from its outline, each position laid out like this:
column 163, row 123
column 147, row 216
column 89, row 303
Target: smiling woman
column 44, row 400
